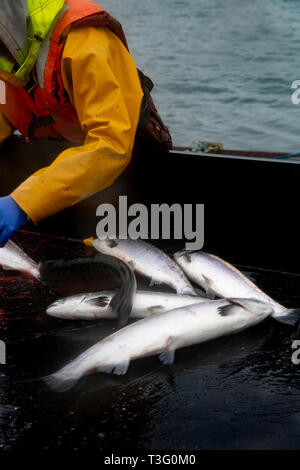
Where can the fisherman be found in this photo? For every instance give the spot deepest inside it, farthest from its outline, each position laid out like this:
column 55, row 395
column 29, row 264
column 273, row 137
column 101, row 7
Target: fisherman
column 68, row 75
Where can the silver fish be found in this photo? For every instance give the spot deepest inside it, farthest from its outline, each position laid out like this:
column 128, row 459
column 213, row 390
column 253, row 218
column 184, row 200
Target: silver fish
column 61, row 274
column 162, row 334
column 221, row 279
column 149, row 261
column 12, row 257
column 96, row 305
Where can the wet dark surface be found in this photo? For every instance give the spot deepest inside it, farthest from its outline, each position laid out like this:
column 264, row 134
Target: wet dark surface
column 239, row 392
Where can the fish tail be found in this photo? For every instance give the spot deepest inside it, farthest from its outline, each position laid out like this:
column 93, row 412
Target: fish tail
column 36, row 272
column 59, row 382
column 119, row 367
column 289, row 316
column 122, row 302
column 64, row 379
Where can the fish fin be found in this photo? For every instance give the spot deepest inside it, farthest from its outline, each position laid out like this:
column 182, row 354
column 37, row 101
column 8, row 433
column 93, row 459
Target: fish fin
column 226, row 310
column 57, row 383
column 187, row 290
column 167, row 357
column 111, row 243
column 210, row 294
column 122, row 301
column 121, row 306
column 187, row 257
column 117, row 369
column 290, row 316
column 114, row 303
column 101, row 301
column 122, row 367
column 156, row 308
column 154, row 282
column 107, row 369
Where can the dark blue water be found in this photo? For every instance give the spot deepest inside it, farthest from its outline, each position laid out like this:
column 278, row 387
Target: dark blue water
column 222, row 69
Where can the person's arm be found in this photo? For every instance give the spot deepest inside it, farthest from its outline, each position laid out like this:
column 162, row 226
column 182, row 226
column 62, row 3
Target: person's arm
column 102, row 82
column 5, row 129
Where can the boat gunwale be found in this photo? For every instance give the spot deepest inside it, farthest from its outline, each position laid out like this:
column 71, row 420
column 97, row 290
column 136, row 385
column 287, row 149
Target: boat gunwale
column 233, row 157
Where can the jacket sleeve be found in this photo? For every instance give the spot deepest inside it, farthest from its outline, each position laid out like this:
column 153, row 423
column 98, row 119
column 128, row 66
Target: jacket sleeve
column 5, row 129
column 102, row 82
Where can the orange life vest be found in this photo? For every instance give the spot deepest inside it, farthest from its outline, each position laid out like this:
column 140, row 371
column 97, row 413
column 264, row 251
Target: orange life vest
column 46, row 112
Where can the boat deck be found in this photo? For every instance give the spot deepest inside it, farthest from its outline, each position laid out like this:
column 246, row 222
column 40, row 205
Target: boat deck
column 238, row 392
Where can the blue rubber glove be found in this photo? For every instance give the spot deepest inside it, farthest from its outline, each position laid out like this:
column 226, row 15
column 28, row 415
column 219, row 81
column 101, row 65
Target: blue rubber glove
column 12, row 217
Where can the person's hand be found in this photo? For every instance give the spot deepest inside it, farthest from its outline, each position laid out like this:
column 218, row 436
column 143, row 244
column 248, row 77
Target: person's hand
column 12, row 217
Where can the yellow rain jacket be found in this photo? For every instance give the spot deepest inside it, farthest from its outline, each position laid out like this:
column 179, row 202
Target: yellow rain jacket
column 103, row 85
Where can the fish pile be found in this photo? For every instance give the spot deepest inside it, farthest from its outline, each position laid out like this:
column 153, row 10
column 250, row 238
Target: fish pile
column 12, row 257
column 166, row 322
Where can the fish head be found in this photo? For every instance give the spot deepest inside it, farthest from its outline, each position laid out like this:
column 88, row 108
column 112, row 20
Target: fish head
column 105, row 246
column 62, row 307
column 254, row 306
